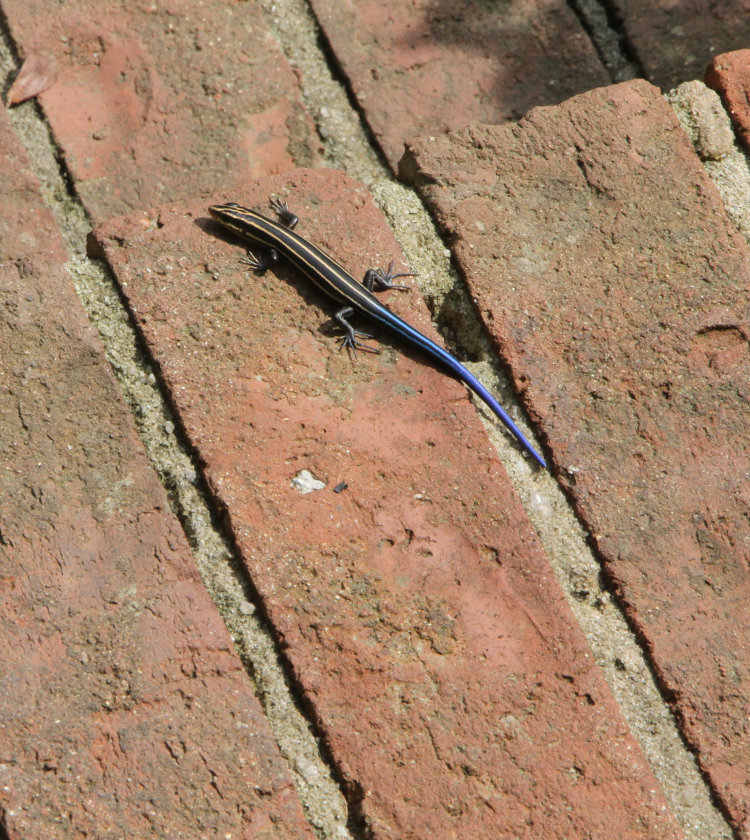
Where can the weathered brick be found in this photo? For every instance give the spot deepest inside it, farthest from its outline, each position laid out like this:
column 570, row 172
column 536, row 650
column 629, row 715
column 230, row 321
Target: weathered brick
column 674, row 41
column 729, row 76
column 429, row 67
column 605, row 267
column 160, row 101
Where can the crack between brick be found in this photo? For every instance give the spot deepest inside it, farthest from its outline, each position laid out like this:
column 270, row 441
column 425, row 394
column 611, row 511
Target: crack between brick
column 605, row 27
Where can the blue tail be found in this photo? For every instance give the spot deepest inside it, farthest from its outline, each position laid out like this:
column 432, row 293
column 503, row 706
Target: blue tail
column 476, row 386
column 391, row 320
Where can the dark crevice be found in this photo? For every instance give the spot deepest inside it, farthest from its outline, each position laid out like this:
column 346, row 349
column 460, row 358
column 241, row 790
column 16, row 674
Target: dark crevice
column 605, row 27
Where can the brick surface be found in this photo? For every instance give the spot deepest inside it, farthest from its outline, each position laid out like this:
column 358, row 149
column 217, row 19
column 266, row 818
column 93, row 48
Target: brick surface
column 124, row 711
column 422, row 623
column 674, row 41
column 155, row 102
column 426, row 67
column 605, row 268
column 729, row 76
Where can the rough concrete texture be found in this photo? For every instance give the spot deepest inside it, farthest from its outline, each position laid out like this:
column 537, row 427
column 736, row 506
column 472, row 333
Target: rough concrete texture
column 702, row 116
column 709, row 127
column 426, row 67
column 673, row 41
column 124, row 711
column 155, row 102
column 729, row 76
column 607, row 272
column 425, row 631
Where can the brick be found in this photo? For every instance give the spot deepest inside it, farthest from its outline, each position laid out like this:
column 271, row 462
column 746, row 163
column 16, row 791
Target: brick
column 674, row 42
column 156, row 102
column 605, row 267
column 428, row 637
column 425, row 68
column 729, row 75
column 28, row 231
column 124, row 711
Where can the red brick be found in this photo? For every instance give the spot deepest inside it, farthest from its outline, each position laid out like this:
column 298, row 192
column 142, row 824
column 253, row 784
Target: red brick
column 27, row 229
column 427, row 634
column 124, row 711
column 427, row 68
column 729, row 76
column 674, row 41
column 155, row 102
column 604, row 266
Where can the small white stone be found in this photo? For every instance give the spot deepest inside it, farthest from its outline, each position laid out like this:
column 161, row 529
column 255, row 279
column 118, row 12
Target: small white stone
column 305, row 482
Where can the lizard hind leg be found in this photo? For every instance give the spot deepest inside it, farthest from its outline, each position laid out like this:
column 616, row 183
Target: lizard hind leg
column 351, row 337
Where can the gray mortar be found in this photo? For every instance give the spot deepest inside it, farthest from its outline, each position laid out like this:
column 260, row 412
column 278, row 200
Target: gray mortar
column 702, row 116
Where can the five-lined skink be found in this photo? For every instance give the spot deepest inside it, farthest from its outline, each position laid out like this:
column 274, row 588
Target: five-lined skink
column 280, row 239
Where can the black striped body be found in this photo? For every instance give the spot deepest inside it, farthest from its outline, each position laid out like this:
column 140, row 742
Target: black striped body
column 332, row 279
